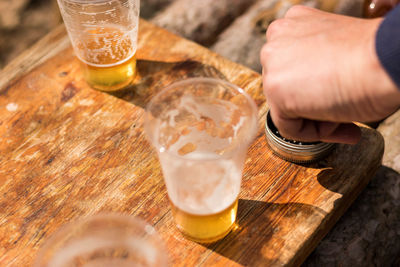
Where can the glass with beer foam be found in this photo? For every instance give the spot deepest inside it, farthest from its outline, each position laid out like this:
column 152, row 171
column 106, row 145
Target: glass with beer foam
column 201, row 129
column 103, row 34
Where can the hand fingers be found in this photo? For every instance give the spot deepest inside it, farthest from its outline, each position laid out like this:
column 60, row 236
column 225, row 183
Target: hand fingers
column 309, row 130
column 298, row 21
column 278, row 25
column 300, row 11
column 277, row 28
column 345, row 133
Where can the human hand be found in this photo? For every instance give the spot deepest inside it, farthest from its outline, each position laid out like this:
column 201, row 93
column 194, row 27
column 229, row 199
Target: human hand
column 321, row 73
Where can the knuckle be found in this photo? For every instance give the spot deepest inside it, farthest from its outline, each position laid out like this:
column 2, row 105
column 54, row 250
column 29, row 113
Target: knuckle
column 294, row 11
column 289, row 105
column 272, row 88
column 265, row 53
column 277, row 94
column 282, row 125
column 275, row 28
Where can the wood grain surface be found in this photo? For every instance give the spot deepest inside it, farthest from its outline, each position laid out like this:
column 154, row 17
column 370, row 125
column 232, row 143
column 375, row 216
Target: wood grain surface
column 68, row 151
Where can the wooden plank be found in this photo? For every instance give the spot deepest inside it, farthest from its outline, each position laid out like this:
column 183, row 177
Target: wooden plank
column 68, row 151
column 47, row 47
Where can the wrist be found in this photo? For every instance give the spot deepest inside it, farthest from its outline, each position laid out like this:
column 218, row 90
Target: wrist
column 383, row 91
column 387, row 45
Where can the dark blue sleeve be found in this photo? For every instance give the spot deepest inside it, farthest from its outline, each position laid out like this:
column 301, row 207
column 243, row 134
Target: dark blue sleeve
column 388, row 44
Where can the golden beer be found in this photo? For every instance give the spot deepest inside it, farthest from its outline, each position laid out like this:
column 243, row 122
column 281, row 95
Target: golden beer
column 205, row 228
column 108, row 58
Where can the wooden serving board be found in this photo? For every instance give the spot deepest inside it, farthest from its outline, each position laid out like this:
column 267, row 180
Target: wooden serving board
column 68, row 151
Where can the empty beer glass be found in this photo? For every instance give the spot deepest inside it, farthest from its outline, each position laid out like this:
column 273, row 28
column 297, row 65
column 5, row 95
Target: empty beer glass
column 106, row 240
column 201, row 129
column 103, row 34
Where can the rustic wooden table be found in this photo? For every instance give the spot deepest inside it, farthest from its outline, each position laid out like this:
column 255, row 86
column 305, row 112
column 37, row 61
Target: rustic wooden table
column 68, row 151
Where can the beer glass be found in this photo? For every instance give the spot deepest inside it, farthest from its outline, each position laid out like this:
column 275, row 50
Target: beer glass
column 103, row 34
column 201, row 129
column 105, row 240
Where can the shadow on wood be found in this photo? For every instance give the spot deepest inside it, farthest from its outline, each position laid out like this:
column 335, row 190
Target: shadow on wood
column 253, row 215
column 366, row 233
column 153, row 76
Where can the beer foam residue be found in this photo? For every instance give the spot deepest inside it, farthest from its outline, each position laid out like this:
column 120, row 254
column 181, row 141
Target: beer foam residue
column 189, row 147
column 106, row 46
column 204, row 186
column 203, row 124
column 12, row 106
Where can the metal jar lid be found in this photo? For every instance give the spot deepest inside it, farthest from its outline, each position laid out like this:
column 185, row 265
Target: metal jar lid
column 294, row 151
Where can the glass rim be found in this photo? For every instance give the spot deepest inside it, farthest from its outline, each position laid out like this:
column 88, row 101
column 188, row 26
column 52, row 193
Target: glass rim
column 168, row 88
column 91, row 2
column 141, row 224
column 88, row 1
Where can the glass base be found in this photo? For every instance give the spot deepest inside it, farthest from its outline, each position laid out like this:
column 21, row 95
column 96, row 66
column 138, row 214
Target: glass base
column 206, row 228
column 208, row 240
column 110, row 78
